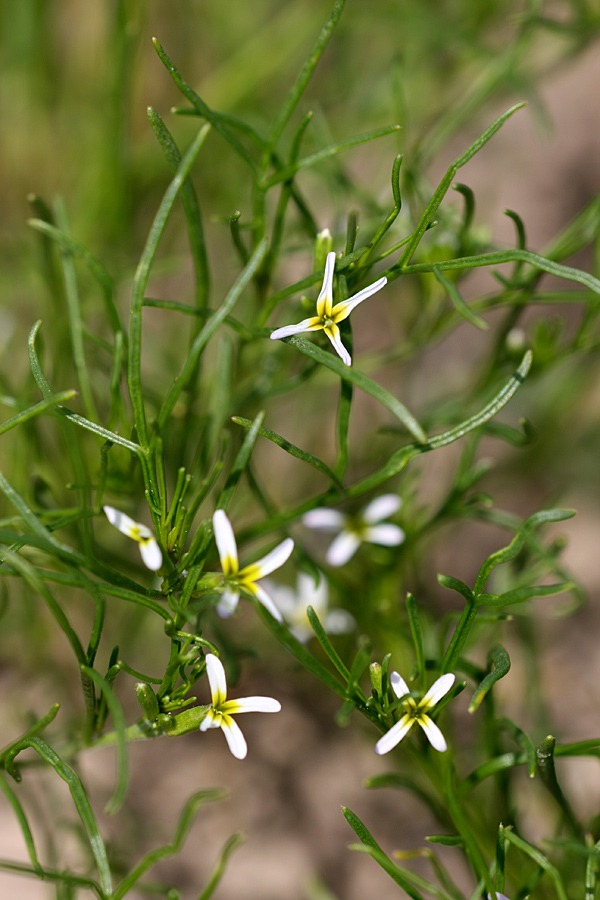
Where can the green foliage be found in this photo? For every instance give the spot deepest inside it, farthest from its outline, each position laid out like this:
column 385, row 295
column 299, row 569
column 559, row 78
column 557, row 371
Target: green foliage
column 190, row 408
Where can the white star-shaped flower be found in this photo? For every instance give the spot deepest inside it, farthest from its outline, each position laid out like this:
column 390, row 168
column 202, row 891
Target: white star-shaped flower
column 416, row 712
column 220, row 713
column 149, row 549
column 329, row 316
column 245, row 579
column 293, row 606
column 368, row 526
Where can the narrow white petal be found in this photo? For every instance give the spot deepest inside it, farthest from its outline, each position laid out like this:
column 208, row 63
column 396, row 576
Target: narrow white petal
column 499, row 896
column 434, row 735
column 252, row 704
column 226, row 545
column 273, row 560
column 151, row 554
column 228, row 602
column 342, row 548
column 387, row 534
column 325, row 298
column 216, row 679
column 302, row 633
column 262, row 597
column 324, row 519
column 339, row 621
column 209, row 721
column 289, row 330
column 437, row 690
column 346, row 306
column 285, row 599
column 394, row 735
column 234, row 737
column 311, row 594
column 333, row 333
column 399, row 686
column 381, row 508
column 124, row 523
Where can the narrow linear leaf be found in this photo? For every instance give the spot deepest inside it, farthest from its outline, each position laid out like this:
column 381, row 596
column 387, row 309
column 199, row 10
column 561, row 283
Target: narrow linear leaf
column 524, row 742
column 497, row 258
column 519, row 595
column 23, row 824
column 287, row 172
column 499, row 658
column 140, row 282
column 489, row 411
column 491, row 767
column 538, row 857
column 81, row 802
column 207, row 332
column 446, row 183
column 417, row 635
column 186, row 821
column 406, row 783
column 292, row 99
column 94, row 266
column 215, row 119
column 299, row 651
column 48, row 403
column 461, row 307
column 116, row 710
column 191, row 208
column 348, row 373
column 326, row 644
column 232, row 843
column 374, row 850
column 53, row 875
column 509, row 552
column 290, row 448
column 240, row 462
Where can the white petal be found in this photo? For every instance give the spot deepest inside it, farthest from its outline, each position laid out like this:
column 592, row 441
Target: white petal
column 387, row 534
column 333, row 333
column 124, row 523
column 325, row 298
column 235, row 738
column 394, row 735
column 339, row 621
column 499, row 896
column 342, row 548
column 225, row 542
column 289, row 330
column 311, row 594
column 324, row 519
column 228, row 602
column 262, row 597
column 209, row 721
column 346, row 306
column 151, row 554
column 381, row 508
column 216, row 679
column 434, row 735
column 252, row 704
column 285, row 599
column 437, row 690
column 399, row 686
column 302, row 633
column 273, row 560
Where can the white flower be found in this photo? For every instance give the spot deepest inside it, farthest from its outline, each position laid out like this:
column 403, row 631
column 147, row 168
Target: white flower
column 149, row 549
column 352, row 531
column 245, row 579
column 416, row 712
column 499, row 896
column 221, row 712
column 328, row 316
column 293, row 606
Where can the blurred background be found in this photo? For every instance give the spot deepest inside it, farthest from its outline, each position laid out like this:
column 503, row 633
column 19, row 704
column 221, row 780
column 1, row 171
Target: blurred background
column 75, row 81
